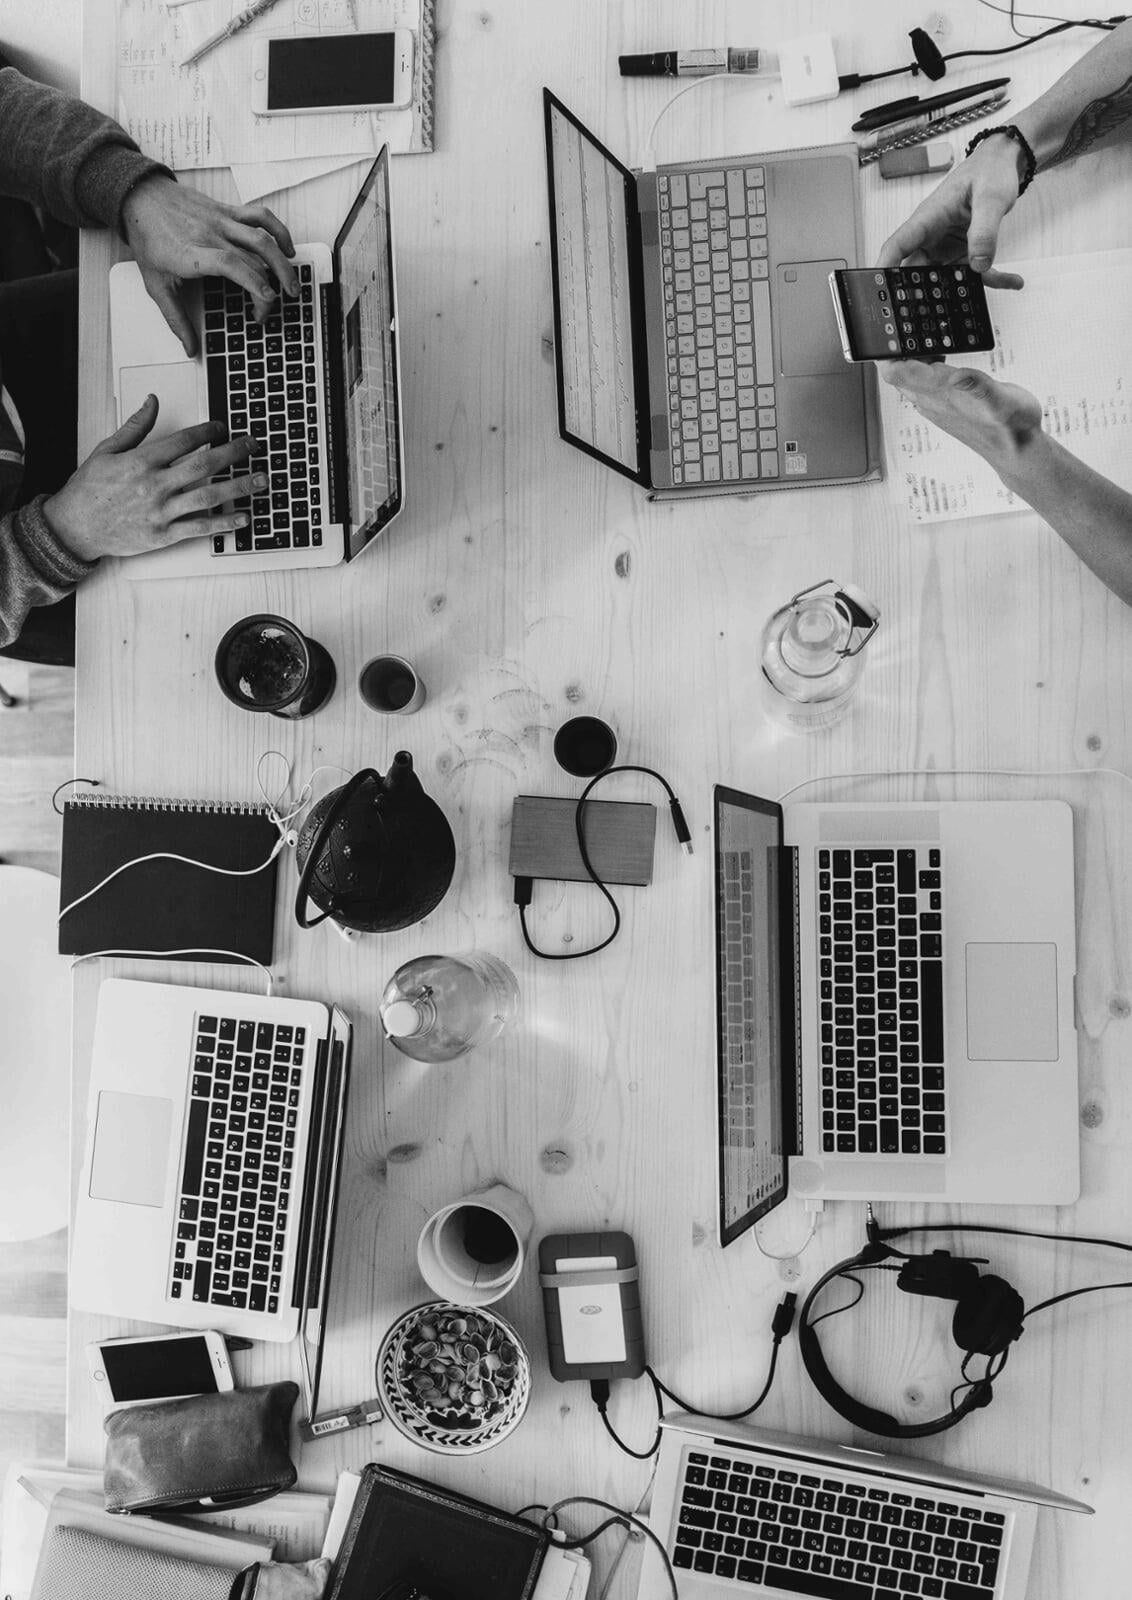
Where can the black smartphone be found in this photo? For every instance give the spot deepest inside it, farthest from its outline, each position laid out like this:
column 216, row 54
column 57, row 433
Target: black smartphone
column 922, row 313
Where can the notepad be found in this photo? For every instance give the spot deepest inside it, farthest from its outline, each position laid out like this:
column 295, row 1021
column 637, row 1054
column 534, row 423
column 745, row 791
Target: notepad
column 200, row 116
column 163, row 907
column 1067, row 338
column 402, row 1529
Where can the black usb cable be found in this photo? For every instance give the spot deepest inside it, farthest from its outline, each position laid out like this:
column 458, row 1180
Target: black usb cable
column 524, row 886
column 780, row 1326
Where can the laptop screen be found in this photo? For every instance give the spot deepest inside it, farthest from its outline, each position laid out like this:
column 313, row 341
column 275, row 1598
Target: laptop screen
column 363, row 255
column 755, row 1028
column 593, row 220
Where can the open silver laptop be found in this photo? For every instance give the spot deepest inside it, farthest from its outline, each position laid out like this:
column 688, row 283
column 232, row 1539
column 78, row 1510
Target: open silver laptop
column 211, row 1160
column 696, row 344
column 319, row 383
column 895, row 1003
column 741, row 1510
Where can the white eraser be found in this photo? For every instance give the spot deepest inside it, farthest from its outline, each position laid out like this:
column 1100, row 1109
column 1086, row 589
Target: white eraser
column 808, row 69
column 935, row 156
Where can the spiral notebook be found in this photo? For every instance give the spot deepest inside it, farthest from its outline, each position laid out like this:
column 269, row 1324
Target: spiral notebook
column 164, row 908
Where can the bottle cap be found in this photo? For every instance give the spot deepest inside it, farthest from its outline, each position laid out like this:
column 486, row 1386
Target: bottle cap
column 861, row 609
column 401, row 1019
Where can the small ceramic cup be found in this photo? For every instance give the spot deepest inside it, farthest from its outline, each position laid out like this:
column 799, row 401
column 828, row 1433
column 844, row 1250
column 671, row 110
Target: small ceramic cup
column 585, row 746
column 472, row 1251
column 392, row 685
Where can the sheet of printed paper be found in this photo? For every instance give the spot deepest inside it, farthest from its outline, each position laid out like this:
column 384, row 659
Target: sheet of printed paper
column 200, row 115
column 254, row 179
column 1067, row 338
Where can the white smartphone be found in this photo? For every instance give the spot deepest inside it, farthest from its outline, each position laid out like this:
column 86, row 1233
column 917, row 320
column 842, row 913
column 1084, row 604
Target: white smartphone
column 166, row 1366
column 294, row 74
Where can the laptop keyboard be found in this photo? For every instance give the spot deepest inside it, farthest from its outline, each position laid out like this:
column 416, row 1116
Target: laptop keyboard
column 817, row 1533
column 237, row 1177
column 880, row 954
column 723, row 424
column 262, row 379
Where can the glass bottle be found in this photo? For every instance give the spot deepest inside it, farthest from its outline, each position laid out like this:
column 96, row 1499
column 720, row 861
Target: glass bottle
column 811, row 655
column 435, row 1008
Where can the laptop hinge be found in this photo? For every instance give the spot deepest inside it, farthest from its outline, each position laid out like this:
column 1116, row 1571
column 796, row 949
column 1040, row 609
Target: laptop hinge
column 795, row 894
column 334, row 389
column 310, row 1176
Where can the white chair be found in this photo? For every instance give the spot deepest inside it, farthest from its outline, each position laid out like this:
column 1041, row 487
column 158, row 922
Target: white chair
column 35, row 1058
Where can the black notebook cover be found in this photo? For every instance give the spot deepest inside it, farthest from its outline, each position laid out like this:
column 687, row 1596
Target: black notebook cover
column 450, row 1546
column 161, row 906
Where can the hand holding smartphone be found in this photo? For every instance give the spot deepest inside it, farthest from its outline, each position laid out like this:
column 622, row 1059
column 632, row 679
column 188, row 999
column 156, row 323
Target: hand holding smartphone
column 167, row 1366
column 294, row 75
column 910, row 313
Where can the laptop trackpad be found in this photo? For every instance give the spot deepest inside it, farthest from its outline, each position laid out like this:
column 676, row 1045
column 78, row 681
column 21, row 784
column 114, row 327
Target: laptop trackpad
column 131, row 1145
column 808, row 341
column 1012, row 1002
column 174, row 384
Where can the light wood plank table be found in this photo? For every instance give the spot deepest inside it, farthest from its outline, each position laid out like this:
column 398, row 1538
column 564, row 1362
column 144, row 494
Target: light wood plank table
column 529, row 584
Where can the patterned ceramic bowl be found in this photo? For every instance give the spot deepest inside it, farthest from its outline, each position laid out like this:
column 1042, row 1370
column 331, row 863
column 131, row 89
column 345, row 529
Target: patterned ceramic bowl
column 455, row 1379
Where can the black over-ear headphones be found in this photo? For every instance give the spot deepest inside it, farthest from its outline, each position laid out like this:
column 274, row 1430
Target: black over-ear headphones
column 989, row 1316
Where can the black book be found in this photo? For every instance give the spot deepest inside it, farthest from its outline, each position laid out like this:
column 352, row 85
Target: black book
column 405, row 1535
column 158, row 907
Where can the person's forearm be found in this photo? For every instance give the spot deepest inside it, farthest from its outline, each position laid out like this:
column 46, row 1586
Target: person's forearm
column 1087, row 104
column 1091, row 514
column 58, row 152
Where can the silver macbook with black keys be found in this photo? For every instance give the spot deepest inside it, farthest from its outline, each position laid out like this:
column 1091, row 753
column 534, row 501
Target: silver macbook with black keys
column 211, row 1160
column 696, row 344
column 741, row 1510
column 895, row 1003
column 318, row 384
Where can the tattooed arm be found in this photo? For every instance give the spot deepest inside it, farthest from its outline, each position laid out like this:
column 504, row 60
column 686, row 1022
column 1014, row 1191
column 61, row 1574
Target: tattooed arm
column 960, row 220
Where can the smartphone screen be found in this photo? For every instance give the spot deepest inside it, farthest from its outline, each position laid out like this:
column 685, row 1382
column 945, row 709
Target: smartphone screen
column 159, row 1370
column 923, row 312
column 354, row 69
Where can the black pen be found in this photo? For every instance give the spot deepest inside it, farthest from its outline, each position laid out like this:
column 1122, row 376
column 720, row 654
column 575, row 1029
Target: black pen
column 903, row 110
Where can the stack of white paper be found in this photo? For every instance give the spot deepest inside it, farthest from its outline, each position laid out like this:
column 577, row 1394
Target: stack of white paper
column 1067, row 338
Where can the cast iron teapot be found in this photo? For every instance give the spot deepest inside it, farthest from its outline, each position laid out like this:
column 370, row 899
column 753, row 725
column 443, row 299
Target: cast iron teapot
column 376, row 854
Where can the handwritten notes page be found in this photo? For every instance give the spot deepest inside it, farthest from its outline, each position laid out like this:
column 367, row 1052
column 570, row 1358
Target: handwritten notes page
column 201, row 116
column 1067, row 338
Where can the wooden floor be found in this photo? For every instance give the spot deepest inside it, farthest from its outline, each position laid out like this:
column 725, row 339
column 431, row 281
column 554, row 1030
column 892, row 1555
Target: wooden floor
column 36, row 742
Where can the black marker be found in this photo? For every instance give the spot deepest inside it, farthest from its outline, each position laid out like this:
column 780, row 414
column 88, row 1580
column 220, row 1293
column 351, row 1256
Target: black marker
column 906, row 110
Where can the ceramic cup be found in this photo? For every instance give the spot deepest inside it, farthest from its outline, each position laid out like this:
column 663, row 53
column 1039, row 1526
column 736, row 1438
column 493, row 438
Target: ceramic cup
column 585, row 746
column 472, row 1251
column 392, row 685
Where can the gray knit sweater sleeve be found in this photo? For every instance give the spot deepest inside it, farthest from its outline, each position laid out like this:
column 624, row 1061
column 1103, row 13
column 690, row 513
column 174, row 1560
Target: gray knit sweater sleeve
column 62, row 154
column 34, row 567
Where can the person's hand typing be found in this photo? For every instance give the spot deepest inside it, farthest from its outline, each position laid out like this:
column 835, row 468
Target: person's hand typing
column 176, row 233
column 130, row 496
column 995, row 419
column 960, row 220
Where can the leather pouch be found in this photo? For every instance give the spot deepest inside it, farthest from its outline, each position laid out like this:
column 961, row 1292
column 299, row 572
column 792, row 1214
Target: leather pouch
column 206, row 1453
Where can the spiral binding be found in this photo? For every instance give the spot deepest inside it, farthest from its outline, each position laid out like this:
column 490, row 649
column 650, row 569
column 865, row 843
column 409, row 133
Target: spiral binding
column 423, row 133
column 152, row 802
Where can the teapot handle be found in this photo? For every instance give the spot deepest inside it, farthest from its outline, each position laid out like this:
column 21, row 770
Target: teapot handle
column 344, row 795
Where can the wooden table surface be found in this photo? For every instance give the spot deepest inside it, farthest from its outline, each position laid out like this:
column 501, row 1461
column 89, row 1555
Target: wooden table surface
column 530, row 584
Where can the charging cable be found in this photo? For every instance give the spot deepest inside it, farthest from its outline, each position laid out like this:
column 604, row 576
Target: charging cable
column 781, row 1324
column 524, row 886
column 616, row 1519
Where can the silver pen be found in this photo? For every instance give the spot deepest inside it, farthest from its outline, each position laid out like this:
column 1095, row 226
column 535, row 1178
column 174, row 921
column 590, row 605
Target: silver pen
column 240, row 20
column 933, row 123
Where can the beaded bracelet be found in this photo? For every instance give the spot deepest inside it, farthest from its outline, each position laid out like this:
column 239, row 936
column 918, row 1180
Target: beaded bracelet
column 1020, row 139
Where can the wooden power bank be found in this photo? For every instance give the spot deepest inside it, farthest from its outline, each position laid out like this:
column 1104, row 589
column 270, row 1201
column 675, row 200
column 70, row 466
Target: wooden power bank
column 619, row 836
